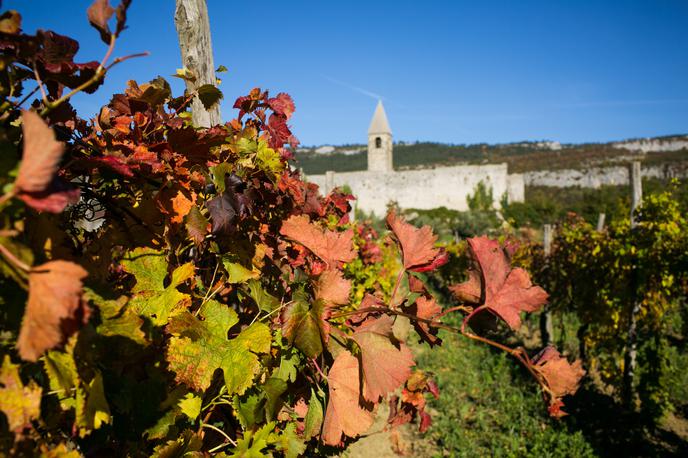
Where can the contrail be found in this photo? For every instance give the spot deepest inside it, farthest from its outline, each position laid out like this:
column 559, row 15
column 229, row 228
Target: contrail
column 354, row 88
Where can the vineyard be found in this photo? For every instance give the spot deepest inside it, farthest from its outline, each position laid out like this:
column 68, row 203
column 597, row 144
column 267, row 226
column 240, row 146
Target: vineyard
column 170, row 290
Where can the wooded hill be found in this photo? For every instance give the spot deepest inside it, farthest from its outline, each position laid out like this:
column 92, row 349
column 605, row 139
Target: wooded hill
column 521, row 157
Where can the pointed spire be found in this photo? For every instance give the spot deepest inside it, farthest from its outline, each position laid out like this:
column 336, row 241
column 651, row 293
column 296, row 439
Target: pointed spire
column 379, row 124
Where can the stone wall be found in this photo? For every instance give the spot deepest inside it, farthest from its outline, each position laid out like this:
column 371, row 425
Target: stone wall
column 600, row 176
column 423, row 189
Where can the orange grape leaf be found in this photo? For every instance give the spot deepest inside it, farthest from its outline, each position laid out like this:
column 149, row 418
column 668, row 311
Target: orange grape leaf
column 562, row 378
column 332, row 247
column 99, row 13
column 41, row 156
column 417, row 245
column 36, row 183
column 504, row 291
column 55, row 308
column 344, row 414
column 197, row 225
column 176, row 203
column 19, row 403
column 332, row 288
column 385, row 366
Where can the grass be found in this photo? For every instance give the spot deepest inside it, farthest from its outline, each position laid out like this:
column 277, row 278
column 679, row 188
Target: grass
column 489, row 407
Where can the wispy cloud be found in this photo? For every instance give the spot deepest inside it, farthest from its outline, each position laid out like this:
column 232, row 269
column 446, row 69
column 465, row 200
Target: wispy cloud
column 366, row 92
column 622, row 103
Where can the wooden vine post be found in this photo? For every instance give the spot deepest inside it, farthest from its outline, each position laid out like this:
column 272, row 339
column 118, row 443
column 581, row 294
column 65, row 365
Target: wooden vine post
column 632, row 334
column 600, row 222
column 546, row 327
column 193, row 29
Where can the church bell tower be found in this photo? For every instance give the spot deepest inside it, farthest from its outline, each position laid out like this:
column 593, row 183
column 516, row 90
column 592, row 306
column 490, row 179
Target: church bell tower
column 379, row 142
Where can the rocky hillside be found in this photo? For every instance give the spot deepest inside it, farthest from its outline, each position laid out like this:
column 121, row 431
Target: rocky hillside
column 521, row 157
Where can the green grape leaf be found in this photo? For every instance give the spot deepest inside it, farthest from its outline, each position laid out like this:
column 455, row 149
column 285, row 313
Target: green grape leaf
column 152, row 298
column 314, row 417
column 188, row 443
column 238, row 273
column 305, row 325
column 117, row 318
column 198, row 348
column 264, row 300
column 289, row 443
column 249, row 409
column 273, row 389
column 289, row 362
column 268, row 159
column 209, row 95
column 253, row 443
column 218, row 173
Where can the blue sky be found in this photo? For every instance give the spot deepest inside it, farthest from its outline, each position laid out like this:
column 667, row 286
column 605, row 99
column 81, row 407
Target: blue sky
column 448, row 71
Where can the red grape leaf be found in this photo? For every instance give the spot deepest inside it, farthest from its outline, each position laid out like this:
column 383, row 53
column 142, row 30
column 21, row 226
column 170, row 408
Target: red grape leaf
column 417, row 245
column 332, row 288
column 562, row 378
column 99, row 13
column 332, row 247
column 385, row 366
column 469, row 291
column 282, row 104
column 427, row 307
column 504, row 291
column 54, row 308
column 344, row 413
column 41, row 156
column 54, row 199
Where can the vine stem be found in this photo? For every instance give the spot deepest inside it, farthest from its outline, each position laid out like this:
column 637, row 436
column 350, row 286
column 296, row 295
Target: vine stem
column 215, row 428
column 432, row 323
column 13, row 259
column 315, row 363
column 396, row 284
column 5, row 197
column 98, row 75
column 462, row 308
column 517, row 353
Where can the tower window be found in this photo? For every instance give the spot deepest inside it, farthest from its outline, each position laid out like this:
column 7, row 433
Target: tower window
column 378, row 142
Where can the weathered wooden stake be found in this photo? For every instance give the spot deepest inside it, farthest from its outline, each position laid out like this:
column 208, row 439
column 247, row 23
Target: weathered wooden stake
column 193, row 29
column 600, row 222
column 546, row 326
column 636, row 190
column 632, row 336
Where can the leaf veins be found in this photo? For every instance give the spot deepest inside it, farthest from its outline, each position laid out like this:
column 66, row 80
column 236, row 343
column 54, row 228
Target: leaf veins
column 55, row 308
column 503, row 290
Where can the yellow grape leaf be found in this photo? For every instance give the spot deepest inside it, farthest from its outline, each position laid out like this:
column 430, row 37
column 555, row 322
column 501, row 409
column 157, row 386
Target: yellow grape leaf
column 62, row 374
column 238, row 273
column 190, row 406
column 92, row 409
column 152, row 298
column 199, row 347
column 19, row 403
